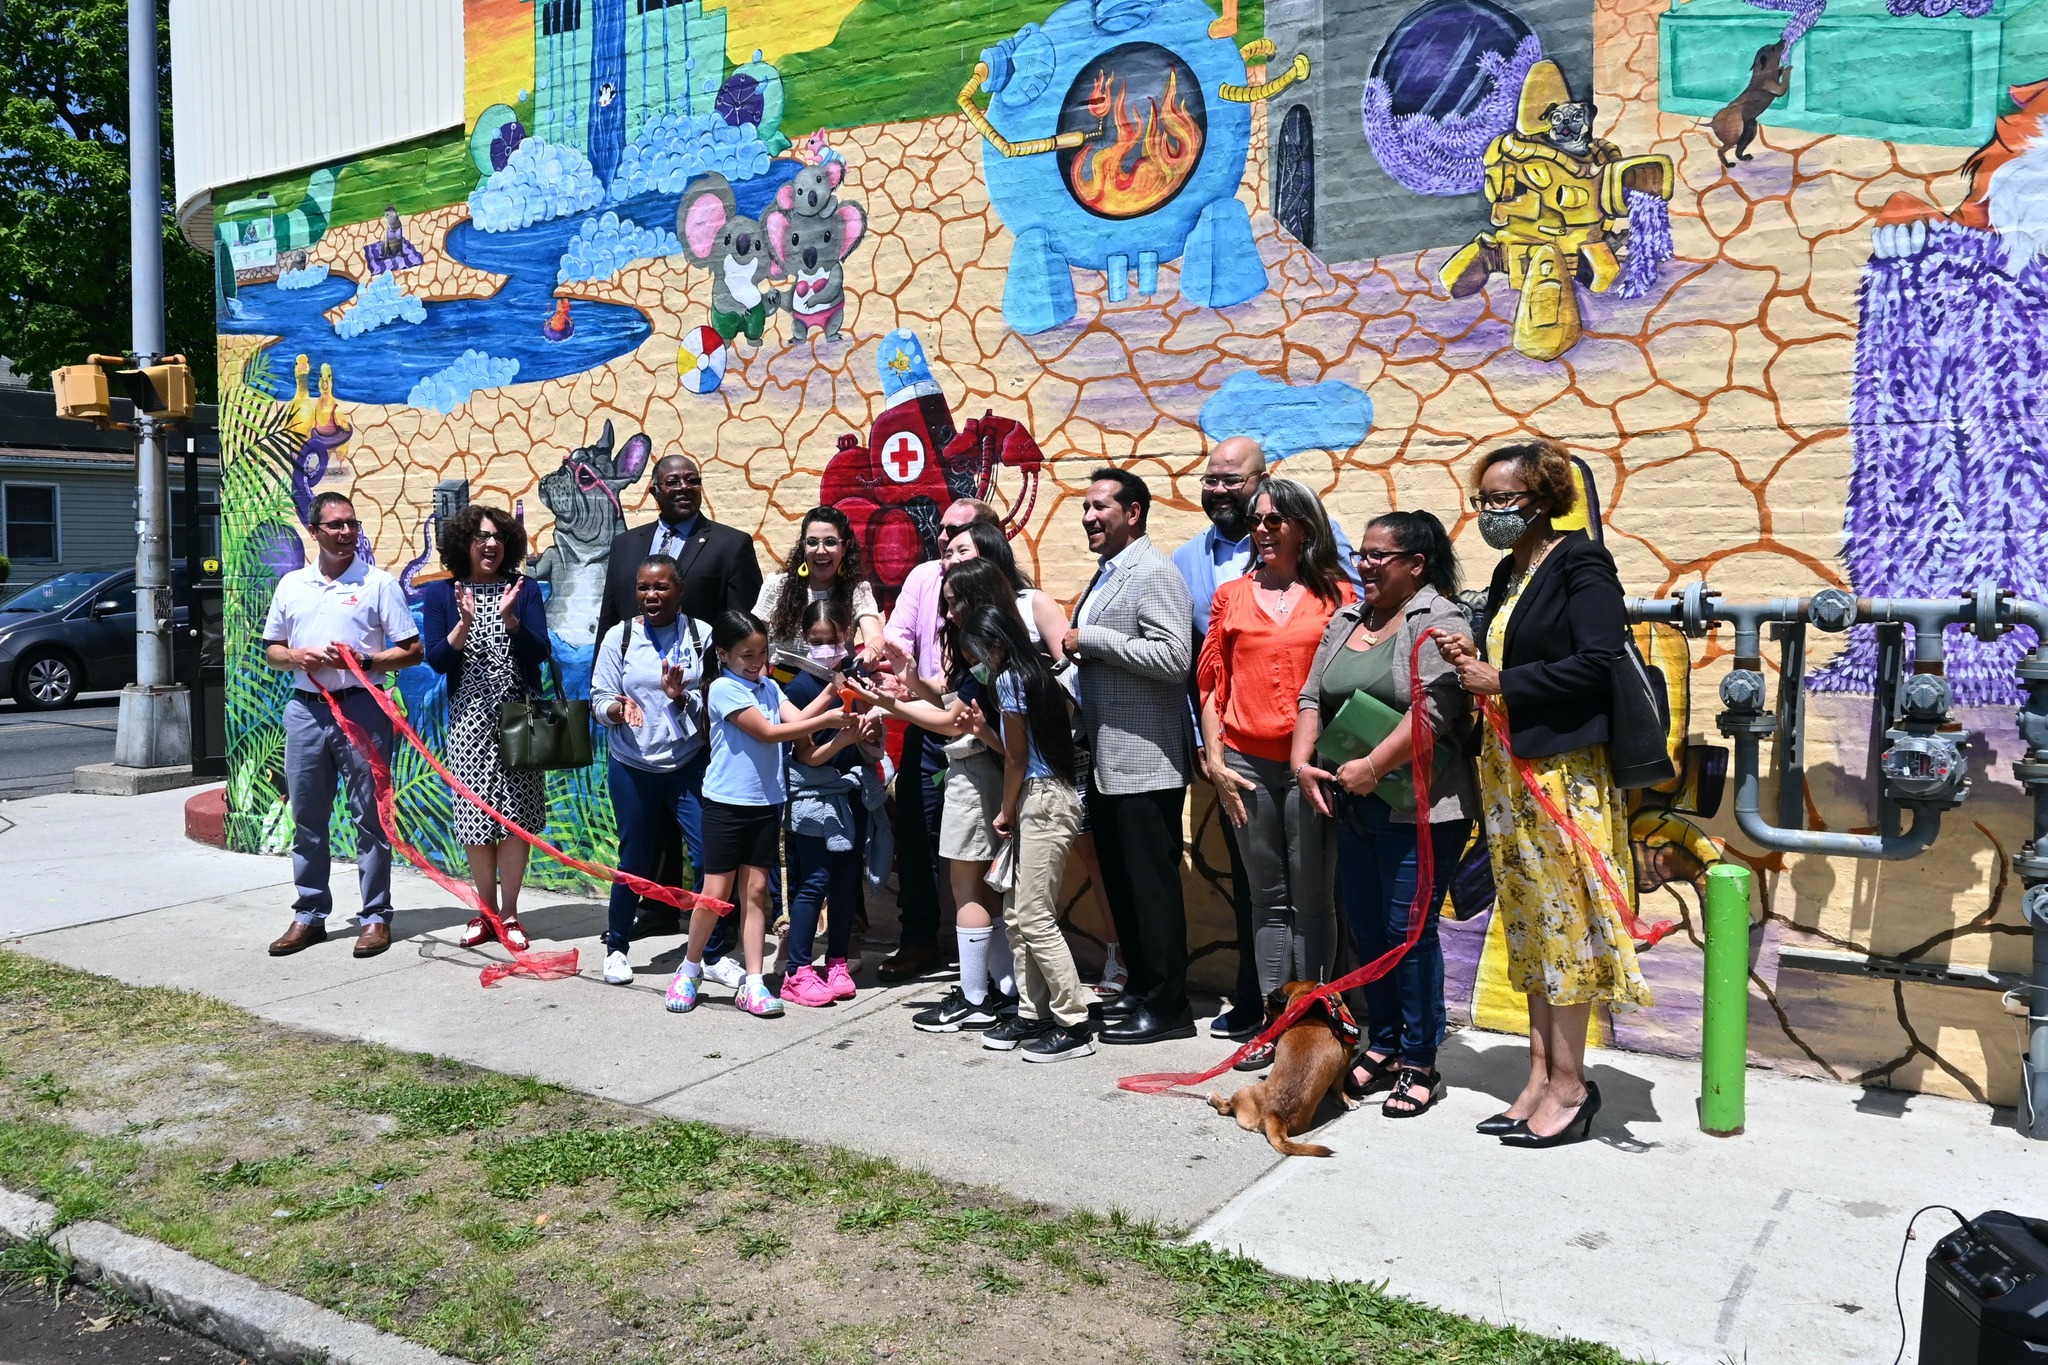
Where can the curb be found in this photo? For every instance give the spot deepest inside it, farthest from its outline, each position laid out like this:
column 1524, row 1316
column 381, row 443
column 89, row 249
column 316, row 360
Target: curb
column 263, row 1324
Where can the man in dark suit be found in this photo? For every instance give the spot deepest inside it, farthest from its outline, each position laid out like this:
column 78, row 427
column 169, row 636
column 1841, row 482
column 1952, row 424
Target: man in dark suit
column 717, row 563
column 720, row 573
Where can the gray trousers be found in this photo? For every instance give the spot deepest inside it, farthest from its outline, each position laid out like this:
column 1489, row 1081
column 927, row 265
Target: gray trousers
column 316, row 754
column 1290, row 860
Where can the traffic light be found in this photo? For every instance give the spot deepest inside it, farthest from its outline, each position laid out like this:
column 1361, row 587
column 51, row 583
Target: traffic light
column 163, row 390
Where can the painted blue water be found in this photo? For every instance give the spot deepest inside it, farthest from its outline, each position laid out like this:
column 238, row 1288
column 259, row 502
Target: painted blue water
column 382, row 365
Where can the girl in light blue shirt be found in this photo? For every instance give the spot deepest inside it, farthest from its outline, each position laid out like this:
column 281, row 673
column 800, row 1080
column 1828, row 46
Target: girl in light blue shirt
column 750, row 721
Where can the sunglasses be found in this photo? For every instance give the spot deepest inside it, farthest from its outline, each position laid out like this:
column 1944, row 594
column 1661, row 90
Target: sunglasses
column 341, row 526
column 1270, row 521
column 488, row 537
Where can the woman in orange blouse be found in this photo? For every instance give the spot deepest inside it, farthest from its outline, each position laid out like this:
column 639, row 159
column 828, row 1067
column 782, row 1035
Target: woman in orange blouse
column 1263, row 632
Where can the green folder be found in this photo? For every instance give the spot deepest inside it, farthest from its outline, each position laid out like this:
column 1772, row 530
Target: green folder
column 1356, row 730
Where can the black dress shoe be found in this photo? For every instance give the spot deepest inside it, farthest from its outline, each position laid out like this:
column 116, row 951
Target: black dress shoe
column 1120, row 1006
column 1578, row 1130
column 1143, row 1026
column 908, row 963
column 1500, row 1124
column 656, row 923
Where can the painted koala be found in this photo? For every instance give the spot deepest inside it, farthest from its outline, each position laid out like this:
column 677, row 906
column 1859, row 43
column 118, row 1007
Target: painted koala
column 812, row 232
column 718, row 238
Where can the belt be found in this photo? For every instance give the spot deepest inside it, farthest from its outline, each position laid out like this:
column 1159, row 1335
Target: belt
column 338, row 693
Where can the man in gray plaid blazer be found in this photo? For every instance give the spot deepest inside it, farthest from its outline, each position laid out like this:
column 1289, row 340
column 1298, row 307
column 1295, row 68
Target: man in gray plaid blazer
column 1133, row 635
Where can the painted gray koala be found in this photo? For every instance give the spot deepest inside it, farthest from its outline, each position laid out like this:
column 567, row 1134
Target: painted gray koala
column 811, row 233
column 718, row 238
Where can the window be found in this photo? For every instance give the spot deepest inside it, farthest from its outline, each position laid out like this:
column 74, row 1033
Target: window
column 560, row 16
column 30, row 514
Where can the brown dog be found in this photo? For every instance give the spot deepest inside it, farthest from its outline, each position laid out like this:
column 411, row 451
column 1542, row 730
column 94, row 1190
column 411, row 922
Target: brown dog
column 1307, row 1065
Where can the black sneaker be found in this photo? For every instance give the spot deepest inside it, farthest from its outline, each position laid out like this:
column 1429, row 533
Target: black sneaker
column 1004, row 1005
column 1238, row 1024
column 1013, row 1029
column 954, row 1014
column 1058, row 1043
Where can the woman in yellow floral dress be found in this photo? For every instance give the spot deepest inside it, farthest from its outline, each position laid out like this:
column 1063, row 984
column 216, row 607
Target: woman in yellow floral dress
column 1555, row 620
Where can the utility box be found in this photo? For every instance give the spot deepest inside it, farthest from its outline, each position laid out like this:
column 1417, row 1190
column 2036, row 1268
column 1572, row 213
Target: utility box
column 82, row 393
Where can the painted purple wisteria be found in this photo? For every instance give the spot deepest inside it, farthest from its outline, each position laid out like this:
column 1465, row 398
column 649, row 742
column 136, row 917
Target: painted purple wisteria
column 1949, row 415
column 1447, row 156
column 1649, row 244
column 1806, row 13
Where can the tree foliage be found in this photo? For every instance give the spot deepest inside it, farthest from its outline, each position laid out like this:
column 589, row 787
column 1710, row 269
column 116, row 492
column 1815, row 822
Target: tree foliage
column 64, row 276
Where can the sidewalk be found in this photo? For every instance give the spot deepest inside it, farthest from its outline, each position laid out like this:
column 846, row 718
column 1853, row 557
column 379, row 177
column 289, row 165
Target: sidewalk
column 1778, row 1246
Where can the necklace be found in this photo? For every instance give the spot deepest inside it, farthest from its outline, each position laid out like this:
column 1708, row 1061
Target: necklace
column 1285, row 601
column 1542, row 552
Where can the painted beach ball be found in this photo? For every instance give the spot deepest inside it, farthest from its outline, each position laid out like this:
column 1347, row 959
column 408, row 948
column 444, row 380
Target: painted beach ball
column 701, row 360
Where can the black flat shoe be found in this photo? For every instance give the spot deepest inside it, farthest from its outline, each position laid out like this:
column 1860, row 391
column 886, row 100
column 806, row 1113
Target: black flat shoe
column 1578, row 1130
column 1122, row 1006
column 1499, row 1124
column 1143, row 1026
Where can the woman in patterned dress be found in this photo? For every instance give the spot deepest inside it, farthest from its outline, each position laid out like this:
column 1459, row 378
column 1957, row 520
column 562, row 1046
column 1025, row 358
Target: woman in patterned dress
column 486, row 629
column 1554, row 622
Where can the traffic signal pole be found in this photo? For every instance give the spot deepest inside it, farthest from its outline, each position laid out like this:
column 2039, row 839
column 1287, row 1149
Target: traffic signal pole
column 155, row 728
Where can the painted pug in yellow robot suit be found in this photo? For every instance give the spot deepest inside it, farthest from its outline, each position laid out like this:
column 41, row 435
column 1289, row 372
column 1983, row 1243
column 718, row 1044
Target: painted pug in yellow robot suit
column 1560, row 210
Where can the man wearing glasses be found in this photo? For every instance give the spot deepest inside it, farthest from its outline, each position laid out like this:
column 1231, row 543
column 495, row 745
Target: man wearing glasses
column 1221, row 553
column 720, row 573
column 338, row 599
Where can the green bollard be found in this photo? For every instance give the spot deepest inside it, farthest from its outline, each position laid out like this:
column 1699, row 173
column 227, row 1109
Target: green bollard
column 1724, row 1021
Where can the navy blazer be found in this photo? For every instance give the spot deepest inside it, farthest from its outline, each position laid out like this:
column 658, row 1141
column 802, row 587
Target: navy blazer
column 1569, row 625
column 530, row 647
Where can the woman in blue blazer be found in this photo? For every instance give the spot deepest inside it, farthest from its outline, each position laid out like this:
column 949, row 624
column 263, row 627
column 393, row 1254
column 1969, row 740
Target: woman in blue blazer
column 486, row 628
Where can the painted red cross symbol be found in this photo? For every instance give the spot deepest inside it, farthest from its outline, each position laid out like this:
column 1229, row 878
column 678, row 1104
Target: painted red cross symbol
column 904, row 459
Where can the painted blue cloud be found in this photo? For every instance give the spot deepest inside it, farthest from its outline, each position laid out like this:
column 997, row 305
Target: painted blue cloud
column 1287, row 418
column 449, row 387
column 379, row 302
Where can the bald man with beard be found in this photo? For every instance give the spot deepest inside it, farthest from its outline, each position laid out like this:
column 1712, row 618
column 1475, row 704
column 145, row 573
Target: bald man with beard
column 1221, row 553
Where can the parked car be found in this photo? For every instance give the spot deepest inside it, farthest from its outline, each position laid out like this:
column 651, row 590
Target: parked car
column 73, row 633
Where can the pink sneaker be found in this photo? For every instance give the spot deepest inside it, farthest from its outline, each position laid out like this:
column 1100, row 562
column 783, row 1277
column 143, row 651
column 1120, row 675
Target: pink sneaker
column 802, row 987
column 838, row 980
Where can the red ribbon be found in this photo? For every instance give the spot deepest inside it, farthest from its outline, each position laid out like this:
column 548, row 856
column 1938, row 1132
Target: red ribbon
column 546, row 966
column 1153, row 1083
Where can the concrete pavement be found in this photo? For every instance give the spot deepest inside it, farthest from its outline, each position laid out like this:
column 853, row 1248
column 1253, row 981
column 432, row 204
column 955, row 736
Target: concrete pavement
column 1777, row 1246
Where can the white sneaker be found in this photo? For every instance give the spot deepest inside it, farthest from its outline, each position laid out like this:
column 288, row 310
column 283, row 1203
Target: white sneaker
column 726, row 973
column 617, row 971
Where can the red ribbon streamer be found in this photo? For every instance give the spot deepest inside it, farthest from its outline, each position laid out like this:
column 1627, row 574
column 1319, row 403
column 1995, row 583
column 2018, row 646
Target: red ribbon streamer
column 546, row 966
column 1153, row 1083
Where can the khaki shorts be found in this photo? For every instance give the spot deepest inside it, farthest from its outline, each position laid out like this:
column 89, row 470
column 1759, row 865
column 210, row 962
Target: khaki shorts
column 974, row 797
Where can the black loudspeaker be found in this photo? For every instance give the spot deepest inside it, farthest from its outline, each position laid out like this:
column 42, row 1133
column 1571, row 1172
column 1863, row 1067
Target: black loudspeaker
column 1987, row 1294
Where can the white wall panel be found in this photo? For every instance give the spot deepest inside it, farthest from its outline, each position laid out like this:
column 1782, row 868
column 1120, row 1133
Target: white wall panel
column 262, row 87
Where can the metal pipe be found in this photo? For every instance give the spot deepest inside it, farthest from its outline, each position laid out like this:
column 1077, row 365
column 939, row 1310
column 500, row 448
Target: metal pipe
column 1724, row 1007
column 1749, row 817
column 146, row 322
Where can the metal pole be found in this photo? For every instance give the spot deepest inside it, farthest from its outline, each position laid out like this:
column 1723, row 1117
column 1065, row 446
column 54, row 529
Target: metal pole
column 155, row 721
column 1724, row 1024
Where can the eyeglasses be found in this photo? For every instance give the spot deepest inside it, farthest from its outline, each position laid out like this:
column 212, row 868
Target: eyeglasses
column 341, row 526
column 683, row 481
column 1499, row 502
column 488, row 538
column 822, row 543
column 1225, row 482
column 1270, row 521
column 1378, row 557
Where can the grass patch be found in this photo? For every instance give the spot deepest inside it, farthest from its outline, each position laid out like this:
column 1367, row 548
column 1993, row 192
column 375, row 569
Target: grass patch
column 502, row 1220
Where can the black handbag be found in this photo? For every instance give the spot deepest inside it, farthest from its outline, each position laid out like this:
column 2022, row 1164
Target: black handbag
column 1639, row 721
column 540, row 733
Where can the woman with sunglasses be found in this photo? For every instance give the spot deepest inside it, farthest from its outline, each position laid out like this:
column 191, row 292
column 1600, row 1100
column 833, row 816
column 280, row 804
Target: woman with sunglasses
column 1411, row 587
column 487, row 630
column 825, row 565
column 1263, row 632
column 1555, row 620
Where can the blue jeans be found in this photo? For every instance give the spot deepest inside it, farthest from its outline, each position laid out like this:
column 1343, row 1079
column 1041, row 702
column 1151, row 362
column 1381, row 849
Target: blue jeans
column 643, row 804
column 819, row 878
column 1376, row 878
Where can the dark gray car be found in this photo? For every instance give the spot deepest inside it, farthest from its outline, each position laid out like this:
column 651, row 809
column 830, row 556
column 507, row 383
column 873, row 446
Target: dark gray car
column 72, row 633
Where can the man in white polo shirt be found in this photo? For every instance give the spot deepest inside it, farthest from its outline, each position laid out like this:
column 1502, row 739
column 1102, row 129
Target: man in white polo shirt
column 336, row 600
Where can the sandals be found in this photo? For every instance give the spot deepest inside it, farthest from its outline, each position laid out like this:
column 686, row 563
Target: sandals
column 479, row 932
column 1368, row 1074
column 1407, row 1084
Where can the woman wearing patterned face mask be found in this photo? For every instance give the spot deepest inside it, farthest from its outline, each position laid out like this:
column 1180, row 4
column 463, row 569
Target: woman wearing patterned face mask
column 1554, row 620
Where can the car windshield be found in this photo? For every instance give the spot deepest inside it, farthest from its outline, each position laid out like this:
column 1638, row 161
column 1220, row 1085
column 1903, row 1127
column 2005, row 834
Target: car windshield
column 51, row 593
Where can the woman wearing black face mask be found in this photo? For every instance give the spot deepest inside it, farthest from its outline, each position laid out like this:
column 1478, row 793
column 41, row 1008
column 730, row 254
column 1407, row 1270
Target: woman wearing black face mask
column 1554, row 621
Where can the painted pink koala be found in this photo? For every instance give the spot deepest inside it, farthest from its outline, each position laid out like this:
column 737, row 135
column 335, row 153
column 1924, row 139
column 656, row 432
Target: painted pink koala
column 811, row 232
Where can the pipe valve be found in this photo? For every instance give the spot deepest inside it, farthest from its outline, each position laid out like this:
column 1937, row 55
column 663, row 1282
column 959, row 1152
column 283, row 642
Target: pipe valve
column 1924, row 697
column 1832, row 610
column 1743, row 690
column 2034, row 905
column 1924, row 770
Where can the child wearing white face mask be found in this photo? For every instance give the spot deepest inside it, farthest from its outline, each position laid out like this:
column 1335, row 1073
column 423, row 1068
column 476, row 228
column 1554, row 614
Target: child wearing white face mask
column 832, row 773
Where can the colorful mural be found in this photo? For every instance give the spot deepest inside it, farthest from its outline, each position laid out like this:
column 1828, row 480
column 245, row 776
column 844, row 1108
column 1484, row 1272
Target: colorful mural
column 1773, row 270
